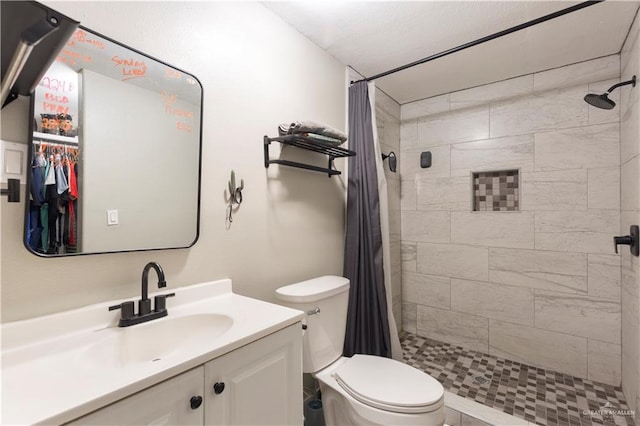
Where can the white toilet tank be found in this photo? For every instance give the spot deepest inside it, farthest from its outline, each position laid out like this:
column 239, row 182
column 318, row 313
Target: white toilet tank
column 324, row 300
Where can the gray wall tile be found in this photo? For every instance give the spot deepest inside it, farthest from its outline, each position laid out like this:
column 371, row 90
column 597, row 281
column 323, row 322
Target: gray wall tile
column 560, row 352
column 459, row 126
column 630, row 304
column 409, row 134
column 503, row 229
column 409, row 317
column 427, row 290
column 514, row 152
column 500, row 90
column 424, row 107
column 409, row 256
column 583, row 72
column 444, row 260
column 457, row 328
column 587, row 232
column 580, row 147
column 629, row 193
column 604, row 276
column 546, row 270
column 453, row 193
column 629, row 131
column 408, row 194
column 555, row 109
column 604, row 362
column 599, row 318
column 498, row 301
column 602, row 185
column 556, row 190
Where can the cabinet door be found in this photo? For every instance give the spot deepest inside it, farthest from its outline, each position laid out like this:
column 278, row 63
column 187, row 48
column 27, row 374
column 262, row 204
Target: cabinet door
column 262, row 382
column 167, row 403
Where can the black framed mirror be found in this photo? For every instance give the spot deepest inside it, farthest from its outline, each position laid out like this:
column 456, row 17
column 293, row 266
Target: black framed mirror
column 115, row 152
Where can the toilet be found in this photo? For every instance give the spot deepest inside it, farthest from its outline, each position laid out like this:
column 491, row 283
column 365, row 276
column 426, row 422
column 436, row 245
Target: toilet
column 363, row 389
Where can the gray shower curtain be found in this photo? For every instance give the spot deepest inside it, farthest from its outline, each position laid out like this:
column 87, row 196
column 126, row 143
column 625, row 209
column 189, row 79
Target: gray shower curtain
column 367, row 329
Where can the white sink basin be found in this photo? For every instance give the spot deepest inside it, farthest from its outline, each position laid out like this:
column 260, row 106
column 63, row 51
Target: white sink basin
column 91, row 363
column 155, row 340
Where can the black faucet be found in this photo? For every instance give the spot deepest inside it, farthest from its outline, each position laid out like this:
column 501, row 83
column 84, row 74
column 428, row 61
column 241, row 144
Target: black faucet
column 144, row 304
column 127, row 316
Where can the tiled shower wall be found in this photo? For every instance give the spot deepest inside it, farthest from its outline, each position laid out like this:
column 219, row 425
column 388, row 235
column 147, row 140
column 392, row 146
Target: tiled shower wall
column 388, row 124
column 630, row 215
column 541, row 285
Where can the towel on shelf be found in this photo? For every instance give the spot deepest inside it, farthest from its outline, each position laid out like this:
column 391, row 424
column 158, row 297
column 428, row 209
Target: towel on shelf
column 321, row 131
column 283, row 129
column 321, row 138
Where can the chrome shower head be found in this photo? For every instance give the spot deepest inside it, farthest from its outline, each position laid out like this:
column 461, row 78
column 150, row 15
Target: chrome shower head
column 603, row 101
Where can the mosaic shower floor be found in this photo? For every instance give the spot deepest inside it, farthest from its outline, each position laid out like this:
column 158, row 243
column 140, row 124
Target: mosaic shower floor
column 534, row 394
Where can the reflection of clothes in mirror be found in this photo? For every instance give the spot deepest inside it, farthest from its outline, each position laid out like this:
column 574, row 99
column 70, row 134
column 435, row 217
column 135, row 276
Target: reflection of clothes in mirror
column 73, row 197
column 44, row 222
column 73, row 184
column 37, row 181
column 61, row 180
column 50, row 174
column 52, row 202
column 34, row 228
column 34, row 225
column 51, row 223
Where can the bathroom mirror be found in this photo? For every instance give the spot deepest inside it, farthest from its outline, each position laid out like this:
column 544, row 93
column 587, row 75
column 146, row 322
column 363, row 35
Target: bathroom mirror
column 115, row 152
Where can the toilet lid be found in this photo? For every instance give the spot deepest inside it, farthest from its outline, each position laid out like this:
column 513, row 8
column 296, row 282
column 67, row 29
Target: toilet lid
column 388, row 384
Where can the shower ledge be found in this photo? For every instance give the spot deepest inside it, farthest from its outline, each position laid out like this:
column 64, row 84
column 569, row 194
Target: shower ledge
column 488, row 415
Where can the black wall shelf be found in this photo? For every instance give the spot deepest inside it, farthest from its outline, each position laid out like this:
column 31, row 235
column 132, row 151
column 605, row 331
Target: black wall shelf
column 309, row 144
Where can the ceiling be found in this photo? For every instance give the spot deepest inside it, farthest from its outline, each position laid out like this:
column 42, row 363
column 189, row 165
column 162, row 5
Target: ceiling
column 373, row 37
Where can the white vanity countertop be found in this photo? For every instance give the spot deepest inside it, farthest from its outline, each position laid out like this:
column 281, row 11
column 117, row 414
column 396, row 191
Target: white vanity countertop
column 54, row 368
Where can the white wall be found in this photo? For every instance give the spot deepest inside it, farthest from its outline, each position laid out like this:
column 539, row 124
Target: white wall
column 630, row 215
column 256, row 72
column 540, row 285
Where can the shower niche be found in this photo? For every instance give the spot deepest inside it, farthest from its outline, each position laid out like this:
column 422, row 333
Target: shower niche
column 497, row 191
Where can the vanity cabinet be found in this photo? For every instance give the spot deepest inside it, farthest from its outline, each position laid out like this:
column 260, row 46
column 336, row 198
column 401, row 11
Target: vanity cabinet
column 167, row 403
column 257, row 384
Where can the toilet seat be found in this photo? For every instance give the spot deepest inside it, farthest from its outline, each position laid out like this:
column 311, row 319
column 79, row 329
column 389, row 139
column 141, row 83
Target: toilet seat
column 389, row 385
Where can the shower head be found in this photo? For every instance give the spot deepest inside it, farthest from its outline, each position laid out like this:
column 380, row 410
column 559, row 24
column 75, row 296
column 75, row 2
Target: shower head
column 603, row 101
column 600, row 101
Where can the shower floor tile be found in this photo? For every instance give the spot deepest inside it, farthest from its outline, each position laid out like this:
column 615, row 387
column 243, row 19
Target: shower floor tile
column 534, row 394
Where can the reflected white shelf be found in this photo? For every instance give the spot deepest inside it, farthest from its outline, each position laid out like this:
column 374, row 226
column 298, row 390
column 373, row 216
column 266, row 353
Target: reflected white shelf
column 55, row 138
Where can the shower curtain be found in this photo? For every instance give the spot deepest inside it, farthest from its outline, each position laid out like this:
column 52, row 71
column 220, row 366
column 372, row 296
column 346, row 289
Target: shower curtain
column 371, row 327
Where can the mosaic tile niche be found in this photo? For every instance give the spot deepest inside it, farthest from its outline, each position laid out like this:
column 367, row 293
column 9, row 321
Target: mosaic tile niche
column 496, row 191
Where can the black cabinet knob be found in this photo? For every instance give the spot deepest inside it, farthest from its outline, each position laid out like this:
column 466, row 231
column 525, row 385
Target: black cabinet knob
column 196, row 401
column 218, row 388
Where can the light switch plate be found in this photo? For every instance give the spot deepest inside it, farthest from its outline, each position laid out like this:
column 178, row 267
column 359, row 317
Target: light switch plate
column 13, row 160
column 112, row 217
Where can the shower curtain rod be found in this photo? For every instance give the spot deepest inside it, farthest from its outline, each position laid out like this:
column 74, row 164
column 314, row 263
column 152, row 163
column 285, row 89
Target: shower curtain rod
column 486, row 38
